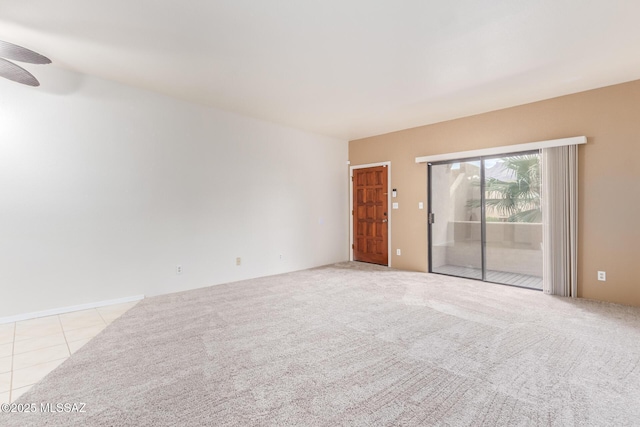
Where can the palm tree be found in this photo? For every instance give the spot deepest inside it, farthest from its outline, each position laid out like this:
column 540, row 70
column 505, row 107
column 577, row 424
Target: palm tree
column 517, row 198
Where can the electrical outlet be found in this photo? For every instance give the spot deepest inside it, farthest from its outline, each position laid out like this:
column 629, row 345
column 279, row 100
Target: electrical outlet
column 178, row 269
column 602, row 276
column 398, row 252
column 280, row 257
column 238, row 261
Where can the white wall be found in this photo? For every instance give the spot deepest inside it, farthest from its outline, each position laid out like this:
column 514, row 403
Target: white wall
column 104, row 189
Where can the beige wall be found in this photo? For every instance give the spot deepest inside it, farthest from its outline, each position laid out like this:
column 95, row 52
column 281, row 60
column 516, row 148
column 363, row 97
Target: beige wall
column 609, row 177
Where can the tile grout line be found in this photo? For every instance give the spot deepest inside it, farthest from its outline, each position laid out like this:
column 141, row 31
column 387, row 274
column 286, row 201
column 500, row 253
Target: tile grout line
column 41, row 377
column 40, row 348
column 100, row 314
column 66, row 341
column 13, row 348
column 90, row 338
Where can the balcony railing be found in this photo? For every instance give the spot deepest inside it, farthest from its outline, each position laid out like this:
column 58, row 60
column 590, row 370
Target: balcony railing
column 512, row 247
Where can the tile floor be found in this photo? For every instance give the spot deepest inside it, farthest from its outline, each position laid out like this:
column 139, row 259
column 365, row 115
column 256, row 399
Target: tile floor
column 30, row 349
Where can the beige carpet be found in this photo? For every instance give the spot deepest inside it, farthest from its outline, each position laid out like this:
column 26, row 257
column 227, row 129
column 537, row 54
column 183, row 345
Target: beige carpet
column 352, row 344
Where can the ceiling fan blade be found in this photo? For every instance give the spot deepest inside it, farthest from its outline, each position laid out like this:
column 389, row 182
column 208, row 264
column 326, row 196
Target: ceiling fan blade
column 11, row 71
column 17, row 53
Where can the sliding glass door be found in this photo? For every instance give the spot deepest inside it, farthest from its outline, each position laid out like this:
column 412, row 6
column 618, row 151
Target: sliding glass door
column 485, row 220
column 455, row 232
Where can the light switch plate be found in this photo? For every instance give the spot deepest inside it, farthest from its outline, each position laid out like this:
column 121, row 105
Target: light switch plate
column 395, row 205
column 420, row 205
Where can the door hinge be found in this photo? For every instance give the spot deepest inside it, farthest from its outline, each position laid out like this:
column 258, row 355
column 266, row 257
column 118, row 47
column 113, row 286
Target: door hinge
column 353, row 246
column 351, row 212
column 432, row 218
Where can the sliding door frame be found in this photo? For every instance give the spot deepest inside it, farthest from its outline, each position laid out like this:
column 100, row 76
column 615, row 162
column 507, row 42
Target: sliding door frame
column 483, row 221
column 431, row 214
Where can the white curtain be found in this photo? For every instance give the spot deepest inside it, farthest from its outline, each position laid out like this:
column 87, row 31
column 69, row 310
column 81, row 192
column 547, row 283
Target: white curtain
column 560, row 217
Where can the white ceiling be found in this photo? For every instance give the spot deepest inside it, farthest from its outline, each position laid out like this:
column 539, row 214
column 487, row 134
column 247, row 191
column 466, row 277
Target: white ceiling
column 350, row 68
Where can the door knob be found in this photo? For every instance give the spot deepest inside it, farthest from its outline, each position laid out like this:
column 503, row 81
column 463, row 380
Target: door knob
column 384, row 220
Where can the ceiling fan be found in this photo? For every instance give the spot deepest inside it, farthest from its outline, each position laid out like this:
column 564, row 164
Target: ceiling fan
column 14, row 72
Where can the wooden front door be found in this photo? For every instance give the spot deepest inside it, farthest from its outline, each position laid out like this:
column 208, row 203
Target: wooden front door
column 370, row 219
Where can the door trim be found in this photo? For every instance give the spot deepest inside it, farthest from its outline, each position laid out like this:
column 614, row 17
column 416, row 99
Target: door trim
column 389, row 206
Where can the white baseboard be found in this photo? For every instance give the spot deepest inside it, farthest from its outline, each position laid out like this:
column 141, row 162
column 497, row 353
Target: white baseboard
column 61, row 310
